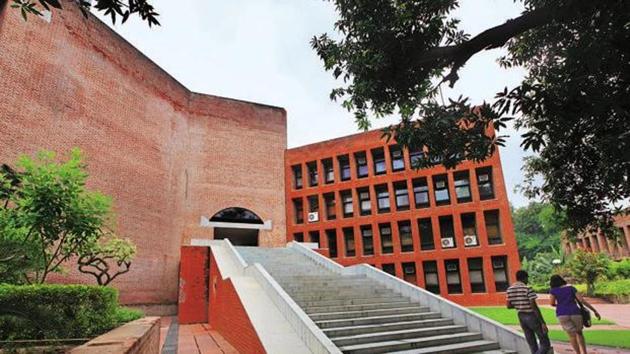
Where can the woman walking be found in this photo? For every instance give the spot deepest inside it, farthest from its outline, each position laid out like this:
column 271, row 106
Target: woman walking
column 566, row 300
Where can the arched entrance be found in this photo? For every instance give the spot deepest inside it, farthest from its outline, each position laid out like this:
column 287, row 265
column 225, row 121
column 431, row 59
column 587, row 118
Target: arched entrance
column 239, row 225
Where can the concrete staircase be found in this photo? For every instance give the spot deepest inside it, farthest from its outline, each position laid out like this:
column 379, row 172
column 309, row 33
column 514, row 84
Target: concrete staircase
column 360, row 315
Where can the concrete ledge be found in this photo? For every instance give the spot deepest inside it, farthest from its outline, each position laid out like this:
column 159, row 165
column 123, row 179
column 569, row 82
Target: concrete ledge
column 492, row 330
column 140, row 336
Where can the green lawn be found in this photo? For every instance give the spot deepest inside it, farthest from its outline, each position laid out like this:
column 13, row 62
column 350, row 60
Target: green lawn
column 508, row 316
column 609, row 338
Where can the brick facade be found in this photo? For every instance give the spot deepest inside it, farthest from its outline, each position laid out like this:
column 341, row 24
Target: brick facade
column 166, row 155
column 599, row 242
column 395, row 221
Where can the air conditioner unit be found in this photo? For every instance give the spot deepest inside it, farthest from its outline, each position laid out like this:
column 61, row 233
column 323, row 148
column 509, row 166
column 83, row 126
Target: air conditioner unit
column 497, row 263
column 409, row 270
column 448, row 242
column 313, row 217
column 396, row 153
column 451, row 267
column 470, row 240
column 440, row 184
column 484, row 178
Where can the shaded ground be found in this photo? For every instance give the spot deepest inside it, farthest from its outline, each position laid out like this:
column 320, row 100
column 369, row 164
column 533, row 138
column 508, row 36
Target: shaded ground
column 191, row 339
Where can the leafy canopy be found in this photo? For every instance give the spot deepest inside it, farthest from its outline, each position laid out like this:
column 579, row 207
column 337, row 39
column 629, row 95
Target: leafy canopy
column 49, row 216
column 537, row 227
column 573, row 107
column 112, row 8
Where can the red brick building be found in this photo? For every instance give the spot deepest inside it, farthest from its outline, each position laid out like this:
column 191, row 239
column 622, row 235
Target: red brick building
column 599, row 242
column 449, row 231
column 167, row 156
column 179, row 164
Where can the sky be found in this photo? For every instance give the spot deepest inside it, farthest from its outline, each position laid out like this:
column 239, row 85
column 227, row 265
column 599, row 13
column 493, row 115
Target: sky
column 259, row 50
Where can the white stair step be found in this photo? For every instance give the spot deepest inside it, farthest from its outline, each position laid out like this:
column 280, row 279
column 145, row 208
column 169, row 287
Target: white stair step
column 416, row 343
column 375, row 319
column 385, row 327
column 361, row 307
column 478, row 347
column 398, row 335
column 365, row 313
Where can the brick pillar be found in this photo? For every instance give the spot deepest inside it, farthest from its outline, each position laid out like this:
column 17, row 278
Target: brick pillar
column 193, row 285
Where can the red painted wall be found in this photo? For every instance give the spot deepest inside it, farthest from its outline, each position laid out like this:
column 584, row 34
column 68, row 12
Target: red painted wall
column 365, row 142
column 228, row 316
column 193, row 285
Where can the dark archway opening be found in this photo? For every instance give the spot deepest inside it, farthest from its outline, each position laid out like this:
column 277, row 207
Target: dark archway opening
column 242, row 232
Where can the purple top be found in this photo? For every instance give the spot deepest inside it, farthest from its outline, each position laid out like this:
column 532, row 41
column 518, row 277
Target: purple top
column 565, row 300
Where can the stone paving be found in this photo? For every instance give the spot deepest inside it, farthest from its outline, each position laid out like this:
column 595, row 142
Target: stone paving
column 191, row 339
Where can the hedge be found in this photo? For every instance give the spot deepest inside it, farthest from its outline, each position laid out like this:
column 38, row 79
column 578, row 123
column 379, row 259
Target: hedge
column 58, row 311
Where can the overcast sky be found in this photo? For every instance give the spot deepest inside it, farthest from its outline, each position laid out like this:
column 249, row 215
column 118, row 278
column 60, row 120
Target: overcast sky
column 258, row 50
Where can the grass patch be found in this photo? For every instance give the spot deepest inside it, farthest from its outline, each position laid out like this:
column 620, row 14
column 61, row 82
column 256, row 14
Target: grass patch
column 509, row 317
column 609, row 338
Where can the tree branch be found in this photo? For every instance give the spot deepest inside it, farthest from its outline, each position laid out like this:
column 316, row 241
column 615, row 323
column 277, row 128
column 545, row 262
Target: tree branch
column 457, row 55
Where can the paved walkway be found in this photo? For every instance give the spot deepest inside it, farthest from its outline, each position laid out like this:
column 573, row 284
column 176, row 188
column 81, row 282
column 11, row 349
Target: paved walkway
column 191, row 339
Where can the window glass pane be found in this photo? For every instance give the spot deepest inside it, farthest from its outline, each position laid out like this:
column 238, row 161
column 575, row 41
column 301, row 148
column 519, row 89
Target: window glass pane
column 364, row 201
column 485, row 183
column 421, row 192
column 462, row 187
column 398, row 162
column 475, row 273
column 331, row 211
column 346, row 199
column 453, row 280
column 493, row 227
column 402, row 196
column 414, row 157
column 344, row 167
column 329, row 172
column 440, row 186
column 362, row 167
column 382, row 195
column 431, row 279
column 348, row 235
column 298, row 208
column 387, row 246
column 298, row 237
column 331, row 236
column 390, row 269
column 406, row 239
column 426, row 234
column 500, row 272
column 312, row 173
column 378, row 155
column 314, row 237
column 469, row 228
column 297, row 176
column 447, row 232
column 368, row 242
column 409, row 272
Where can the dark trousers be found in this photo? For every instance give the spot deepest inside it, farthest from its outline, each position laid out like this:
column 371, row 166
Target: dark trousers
column 532, row 328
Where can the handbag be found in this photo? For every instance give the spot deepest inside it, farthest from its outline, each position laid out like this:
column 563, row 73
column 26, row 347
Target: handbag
column 586, row 314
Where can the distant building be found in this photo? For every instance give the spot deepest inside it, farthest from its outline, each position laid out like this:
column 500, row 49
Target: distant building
column 599, row 242
column 449, row 231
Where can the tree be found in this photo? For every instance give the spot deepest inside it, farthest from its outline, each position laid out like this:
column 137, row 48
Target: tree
column 98, row 260
column 573, row 107
column 48, row 215
column 537, row 227
column 113, row 8
column 587, row 267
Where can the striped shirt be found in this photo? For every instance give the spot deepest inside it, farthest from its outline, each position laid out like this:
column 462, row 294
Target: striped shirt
column 520, row 296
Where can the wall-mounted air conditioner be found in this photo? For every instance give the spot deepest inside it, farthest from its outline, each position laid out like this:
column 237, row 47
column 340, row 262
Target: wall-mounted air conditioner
column 313, row 216
column 448, row 242
column 471, row 240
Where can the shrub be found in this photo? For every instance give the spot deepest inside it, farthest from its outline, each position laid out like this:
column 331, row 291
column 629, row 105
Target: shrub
column 587, row 267
column 619, row 269
column 126, row 314
column 540, row 288
column 58, row 311
column 616, row 287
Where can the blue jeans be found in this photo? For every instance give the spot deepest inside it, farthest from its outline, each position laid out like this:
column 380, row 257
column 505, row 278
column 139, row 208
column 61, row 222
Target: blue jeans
column 532, row 328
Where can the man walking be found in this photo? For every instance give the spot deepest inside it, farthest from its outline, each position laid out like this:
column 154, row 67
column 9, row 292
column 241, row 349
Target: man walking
column 522, row 298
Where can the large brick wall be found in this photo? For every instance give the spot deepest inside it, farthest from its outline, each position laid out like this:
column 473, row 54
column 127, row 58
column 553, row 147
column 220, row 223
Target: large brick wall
column 166, row 155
